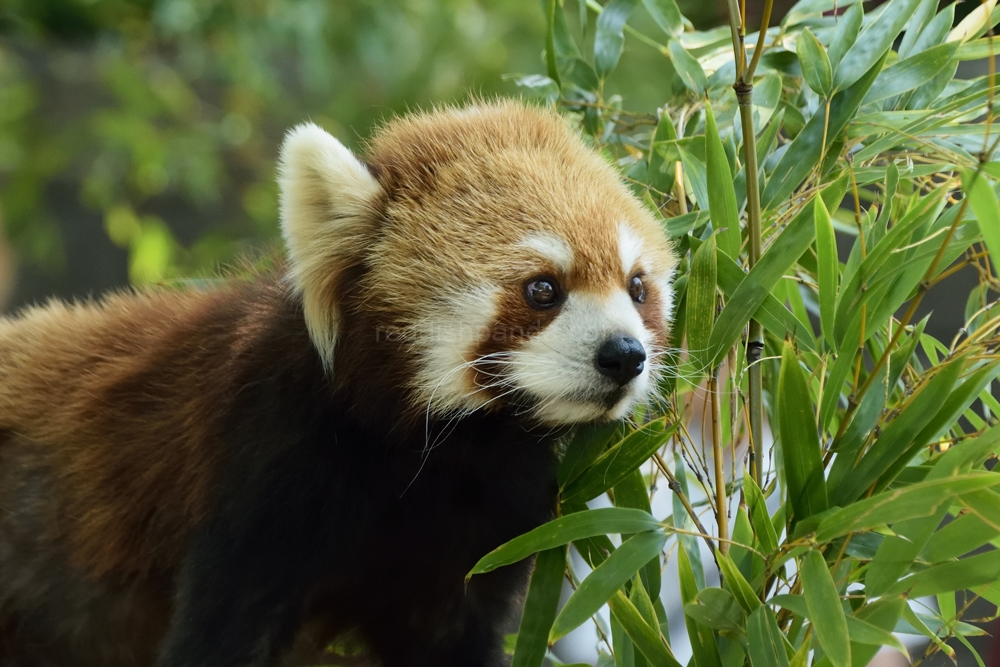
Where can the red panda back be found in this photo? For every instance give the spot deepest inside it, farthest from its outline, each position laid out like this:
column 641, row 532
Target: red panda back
column 117, row 400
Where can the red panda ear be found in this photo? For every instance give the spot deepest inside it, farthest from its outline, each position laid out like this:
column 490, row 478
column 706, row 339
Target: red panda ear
column 329, row 205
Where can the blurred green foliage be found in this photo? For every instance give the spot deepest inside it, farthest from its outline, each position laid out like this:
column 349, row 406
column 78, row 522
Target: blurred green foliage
column 163, row 117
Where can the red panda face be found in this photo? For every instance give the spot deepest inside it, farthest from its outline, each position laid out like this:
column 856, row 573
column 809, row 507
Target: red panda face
column 505, row 258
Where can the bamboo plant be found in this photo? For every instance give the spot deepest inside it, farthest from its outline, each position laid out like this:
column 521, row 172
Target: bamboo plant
column 839, row 455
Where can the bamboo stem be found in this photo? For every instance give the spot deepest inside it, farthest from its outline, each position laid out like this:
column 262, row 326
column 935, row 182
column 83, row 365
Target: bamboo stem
column 721, row 502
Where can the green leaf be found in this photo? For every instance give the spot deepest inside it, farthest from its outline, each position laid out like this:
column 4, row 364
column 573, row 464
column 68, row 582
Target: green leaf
column 695, row 171
column 918, row 500
column 594, row 591
column 687, row 67
column 846, row 33
column 815, row 64
column 966, row 533
column 609, row 38
column 667, row 16
column 825, row 611
column 701, row 303
column 908, row 74
column 898, row 442
column 804, row 152
column 721, row 196
column 738, row 586
column 758, row 284
column 984, row 203
column 924, row 14
column 863, row 632
column 618, row 462
column 550, row 40
column 646, row 639
column 799, row 442
column 660, row 173
column 772, row 314
column 762, row 527
column 827, row 264
column 764, row 640
column 949, row 577
column 540, row 607
column 571, row 527
column 703, row 643
column 717, row 608
column 588, row 443
column 633, row 492
column 873, row 43
column 883, row 614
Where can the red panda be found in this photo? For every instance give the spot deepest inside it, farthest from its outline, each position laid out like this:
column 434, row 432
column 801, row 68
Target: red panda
column 235, row 476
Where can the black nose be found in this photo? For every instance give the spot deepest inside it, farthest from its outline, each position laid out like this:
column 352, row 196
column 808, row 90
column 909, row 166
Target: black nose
column 621, row 358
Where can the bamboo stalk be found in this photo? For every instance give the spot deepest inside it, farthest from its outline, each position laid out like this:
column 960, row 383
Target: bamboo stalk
column 721, row 501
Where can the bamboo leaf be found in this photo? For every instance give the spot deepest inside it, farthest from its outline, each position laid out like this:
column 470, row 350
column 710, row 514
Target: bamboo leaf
column 717, row 608
column 873, row 42
column 568, row 528
column 804, row 153
column 759, row 517
column 799, row 442
column 898, row 442
column 667, row 16
column 738, row 586
column 609, row 38
column 966, row 533
column 924, row 14
column 863, row 632
column 846, row 33
column 764, row 640
column 687, row 67
column 550, row 45
column 618, row 462
column 912, row 72
column 827, row 268
column 540, row 607
column 987, row 209
column 646, row 639
column 588, row 443
column 703, row 643
column 825, row 612
column 919, row 500
column 815, row 64
column 594, row 591
column 883, row 614
column 949, row 577
column 721, row 196
column 973, row 24
column 701, row 303
column 759, row 283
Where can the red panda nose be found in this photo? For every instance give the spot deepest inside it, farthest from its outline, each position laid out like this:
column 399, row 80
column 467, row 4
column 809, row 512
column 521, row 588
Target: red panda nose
column 621, row 358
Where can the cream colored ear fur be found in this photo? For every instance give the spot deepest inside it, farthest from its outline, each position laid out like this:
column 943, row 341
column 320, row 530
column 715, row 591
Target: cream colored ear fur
column 329, row 204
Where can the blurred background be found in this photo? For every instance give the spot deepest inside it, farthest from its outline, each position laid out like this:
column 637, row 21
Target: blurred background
column 138, row 137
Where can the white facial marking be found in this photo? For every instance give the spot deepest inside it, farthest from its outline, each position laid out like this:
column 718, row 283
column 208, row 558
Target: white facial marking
column 551, row 247
column 557, row 367
column 447, row 338
column 629, row 248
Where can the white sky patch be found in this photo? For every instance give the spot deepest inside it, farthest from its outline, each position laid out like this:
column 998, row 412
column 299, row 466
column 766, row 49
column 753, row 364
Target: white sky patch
column 551, row 247
column 629, row 248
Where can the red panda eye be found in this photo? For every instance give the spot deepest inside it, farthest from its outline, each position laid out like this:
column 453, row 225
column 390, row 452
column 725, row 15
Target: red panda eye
column 636, row 290
column 541, row 293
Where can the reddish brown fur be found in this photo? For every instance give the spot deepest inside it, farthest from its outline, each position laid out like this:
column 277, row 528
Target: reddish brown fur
column 91, row 382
